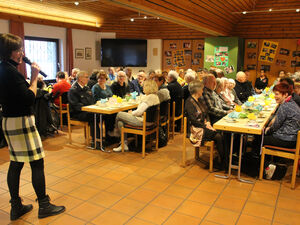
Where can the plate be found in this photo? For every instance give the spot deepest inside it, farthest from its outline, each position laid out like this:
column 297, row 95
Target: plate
column 230, row 120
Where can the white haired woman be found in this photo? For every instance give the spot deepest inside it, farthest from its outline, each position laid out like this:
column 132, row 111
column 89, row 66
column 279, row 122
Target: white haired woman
column 120, row 87
column 233, row 96
column 135, row 118
column 189, row 77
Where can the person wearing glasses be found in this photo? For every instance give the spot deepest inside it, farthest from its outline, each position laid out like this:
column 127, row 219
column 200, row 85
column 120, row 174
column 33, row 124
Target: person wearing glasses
column 17, row 98
column 120, row 87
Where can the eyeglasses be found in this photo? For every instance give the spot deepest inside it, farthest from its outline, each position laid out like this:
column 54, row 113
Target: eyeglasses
column 21, row 50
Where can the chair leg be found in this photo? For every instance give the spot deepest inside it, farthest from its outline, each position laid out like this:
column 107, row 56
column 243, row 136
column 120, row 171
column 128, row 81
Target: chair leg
column 295, row 167
column 144, row 146
column 168, row 131
column 181, row 129
column 61, row 120
column 173, row 129
column 69, row 131
column 136, row 140
column 122, row 139
column 156, row 139
column 87, row 135
column 262, row 162
column 211, row 157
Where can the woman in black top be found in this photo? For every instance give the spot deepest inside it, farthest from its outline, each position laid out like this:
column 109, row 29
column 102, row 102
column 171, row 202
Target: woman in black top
column 17, row 98
column 199, row 122
column 261, row 82
column 120, row 87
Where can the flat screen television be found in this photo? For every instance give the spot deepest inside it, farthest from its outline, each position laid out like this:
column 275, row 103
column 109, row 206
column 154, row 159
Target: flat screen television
column 124, row 52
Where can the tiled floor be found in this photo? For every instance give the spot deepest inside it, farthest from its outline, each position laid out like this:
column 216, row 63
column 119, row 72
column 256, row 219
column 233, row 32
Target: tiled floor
column 111, row 188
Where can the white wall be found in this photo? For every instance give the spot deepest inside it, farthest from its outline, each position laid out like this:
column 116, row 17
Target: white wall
column 4, row 26
column 37, row 30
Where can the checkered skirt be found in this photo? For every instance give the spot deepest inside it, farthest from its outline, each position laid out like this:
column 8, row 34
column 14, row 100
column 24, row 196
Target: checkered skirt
column 23, row 139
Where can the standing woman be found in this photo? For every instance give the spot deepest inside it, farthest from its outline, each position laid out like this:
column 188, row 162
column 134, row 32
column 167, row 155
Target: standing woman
column 261, row 82
column 17, row 98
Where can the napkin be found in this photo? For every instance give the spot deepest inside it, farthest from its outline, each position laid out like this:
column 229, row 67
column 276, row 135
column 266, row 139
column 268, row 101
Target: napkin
column 233, row 115
column 248, row 104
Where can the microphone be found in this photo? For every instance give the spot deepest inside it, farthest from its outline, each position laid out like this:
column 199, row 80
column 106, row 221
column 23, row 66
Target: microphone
column 26, row 60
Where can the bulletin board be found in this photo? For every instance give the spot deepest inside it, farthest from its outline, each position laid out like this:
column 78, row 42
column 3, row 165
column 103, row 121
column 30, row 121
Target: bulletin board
column 182, row 54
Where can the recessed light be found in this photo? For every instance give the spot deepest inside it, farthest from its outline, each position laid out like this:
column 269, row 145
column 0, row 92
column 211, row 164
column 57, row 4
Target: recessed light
column 158, row 18
column 76, row 3
column 297, row 10
column 131, row 19
column 270, row 10
column 145, row 17
column 244, row 12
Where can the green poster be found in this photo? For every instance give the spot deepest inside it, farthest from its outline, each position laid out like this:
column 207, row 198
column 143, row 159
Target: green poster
column 221, row 56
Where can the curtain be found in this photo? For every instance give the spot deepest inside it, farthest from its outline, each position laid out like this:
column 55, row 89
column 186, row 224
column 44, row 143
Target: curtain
column 69, row 49
column 17, row 28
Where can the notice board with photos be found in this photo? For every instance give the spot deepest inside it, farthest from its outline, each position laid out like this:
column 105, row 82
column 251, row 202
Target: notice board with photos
column 182, row 54
column 272, row 55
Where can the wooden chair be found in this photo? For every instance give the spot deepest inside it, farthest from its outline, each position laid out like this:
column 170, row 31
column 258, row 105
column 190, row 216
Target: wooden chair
column 175, row 118
column 150, row 116
column 209, row 145
column 282, row 152
column 63, row 99
column 165, row 115
column 78, row 123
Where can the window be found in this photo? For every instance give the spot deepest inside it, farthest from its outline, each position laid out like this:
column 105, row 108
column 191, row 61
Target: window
column 45, row 52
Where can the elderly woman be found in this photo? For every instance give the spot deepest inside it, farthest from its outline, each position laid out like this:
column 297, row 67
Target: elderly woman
column 189, row 77
column 120, row 87
column 261, row 82
column 101, row 90
column 135, row 118
column 234, row 98
column 220, row 100
column 243, row 88
column 225, row 93
column 17, row 99
column 200, row 126
column 163, row 92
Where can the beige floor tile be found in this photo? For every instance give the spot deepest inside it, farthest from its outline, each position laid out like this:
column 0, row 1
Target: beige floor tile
column 66, row 219
column 287, row 217
column 205, row 222
column 250, row 220
column 64, row 173
column 145, row 172
column 134, row 180
column 128, row 206
column 179, row 219
column 143, row 195
column 120, row 189
column 211, row 187
column 68, row 201
column 136, row 221
column 230, row 203
column 96, row 170
column 81, row 178
column 178, row 191
column 65, row 186
column 194, row 209
column 188, row 182
column 100, row 183
column 166, row 177
column 111, row 217
column 263, row 198
column 156, row 185
column 167, row 201
column 222, row 216
column 86, row 211
column 154, row 214
column 236, row 192
column 4, row 218
column 105, row 199
column 266, row 187
column 203, row 197
column 287, row 192
column 115, row 175
column 289, row 204
column 84, row 192
column 259, row 210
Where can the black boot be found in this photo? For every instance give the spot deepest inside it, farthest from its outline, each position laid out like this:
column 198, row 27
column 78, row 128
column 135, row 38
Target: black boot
column 47, row 209
column 18, row 209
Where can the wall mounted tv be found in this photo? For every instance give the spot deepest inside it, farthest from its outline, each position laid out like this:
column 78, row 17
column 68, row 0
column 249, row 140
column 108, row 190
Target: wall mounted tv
column 124, row 52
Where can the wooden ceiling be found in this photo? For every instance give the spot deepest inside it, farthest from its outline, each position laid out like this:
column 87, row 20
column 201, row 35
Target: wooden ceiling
column 178, row 19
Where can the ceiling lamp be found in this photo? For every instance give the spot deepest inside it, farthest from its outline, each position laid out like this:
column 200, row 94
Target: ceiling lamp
column 244, row 12
column 132, row 19
column 270, row 10
column 267, row 10
column 76, row 3
column 297, row 10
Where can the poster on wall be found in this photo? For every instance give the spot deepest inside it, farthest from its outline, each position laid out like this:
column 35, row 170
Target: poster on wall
column 280, row 62
column 296, row 53
column 200, row 46
column 265, row 67
column 209, row 58
column 251, row 44
column 295, row 64
column 251, row 55
column 221, row 56
column 284, row 51
column 268, row 51
column 251, row 67
column 229, row 69
column 178, row 57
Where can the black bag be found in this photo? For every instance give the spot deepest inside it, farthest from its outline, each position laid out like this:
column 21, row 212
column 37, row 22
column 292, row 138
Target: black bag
column 250, row 164
column 162, row 139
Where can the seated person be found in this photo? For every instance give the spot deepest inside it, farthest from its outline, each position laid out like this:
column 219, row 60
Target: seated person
column 93, row 79
column 261, row 82
column 111, row 76
column 163, row 92
column 281, row 75
column 225, row 92
column 80, row 95
column 217, row 94
column 199, row 122
column 128, row 72
column 120, row 87
column 72, row 78
column 232, row 94
column 135, row 118
column 215, row 112
column 295, row 90
column 242, row 87
column 60, row 87
column 137, row 84
column 101, row 91
column 247, row 72
column 189, row 77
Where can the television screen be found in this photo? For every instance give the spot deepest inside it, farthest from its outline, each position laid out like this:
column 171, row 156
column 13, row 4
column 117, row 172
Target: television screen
column 124, row 52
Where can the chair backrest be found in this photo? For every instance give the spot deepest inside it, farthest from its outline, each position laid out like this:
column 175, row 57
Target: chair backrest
column 64, row 98
column 164, row 108
column 152, row 114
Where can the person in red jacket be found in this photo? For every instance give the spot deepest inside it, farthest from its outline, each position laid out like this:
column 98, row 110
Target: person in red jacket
column 60, row 87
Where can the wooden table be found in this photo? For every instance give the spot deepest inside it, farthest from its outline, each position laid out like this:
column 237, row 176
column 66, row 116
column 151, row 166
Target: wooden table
column 242, row 127
column 98, row 109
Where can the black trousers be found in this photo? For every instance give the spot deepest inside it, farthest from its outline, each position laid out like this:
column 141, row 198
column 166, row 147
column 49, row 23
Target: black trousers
column 89, row 117
column 37, row 176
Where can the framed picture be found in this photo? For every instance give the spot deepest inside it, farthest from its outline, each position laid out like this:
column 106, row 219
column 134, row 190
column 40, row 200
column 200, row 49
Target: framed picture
column 79, row 53
column 88, row 53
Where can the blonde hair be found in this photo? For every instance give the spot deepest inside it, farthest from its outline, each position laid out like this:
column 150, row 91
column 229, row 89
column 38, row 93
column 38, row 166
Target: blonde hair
column 150, row 87
column 102, row 73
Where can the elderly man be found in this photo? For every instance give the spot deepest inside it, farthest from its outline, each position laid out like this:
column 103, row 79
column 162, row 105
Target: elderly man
column 137, row 84
column 81, row 95
column 128, row 72
column 72, row 78
column 214, row 110
column 242, row 87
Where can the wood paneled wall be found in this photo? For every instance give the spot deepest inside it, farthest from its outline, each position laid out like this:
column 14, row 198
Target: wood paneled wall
column 193, row 54
column 289, row 44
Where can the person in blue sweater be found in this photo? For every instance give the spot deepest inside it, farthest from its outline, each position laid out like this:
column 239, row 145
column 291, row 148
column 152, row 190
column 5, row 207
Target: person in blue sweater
column 101, row 90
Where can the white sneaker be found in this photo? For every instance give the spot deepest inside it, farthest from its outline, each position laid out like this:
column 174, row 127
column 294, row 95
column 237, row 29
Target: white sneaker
column 119, row 149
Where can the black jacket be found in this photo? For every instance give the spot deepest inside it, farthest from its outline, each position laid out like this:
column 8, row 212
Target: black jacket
column 92, row 81
column 119, row 90
column 79, row 97
column 16, row 99
column 195, row 117
column 176, row 95
column 243, row 90
column 261, row 84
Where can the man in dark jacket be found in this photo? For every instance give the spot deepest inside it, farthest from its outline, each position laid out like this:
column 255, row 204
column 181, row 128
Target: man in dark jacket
column 242, row 87
column 93, row 79
column 81, row 95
